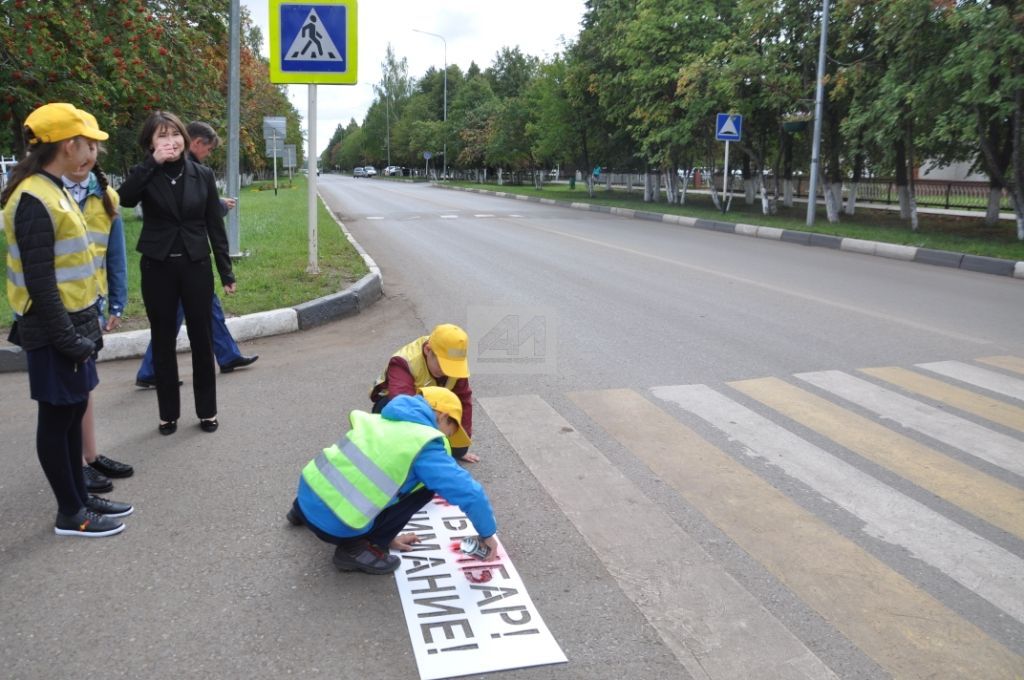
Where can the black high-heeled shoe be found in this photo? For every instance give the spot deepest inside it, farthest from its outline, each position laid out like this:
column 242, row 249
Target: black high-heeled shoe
column 208, row 424
column 170, row 427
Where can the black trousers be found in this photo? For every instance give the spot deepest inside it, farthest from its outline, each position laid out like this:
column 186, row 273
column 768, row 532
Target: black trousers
column 165, row 283
column 59, row 447
column 388, row 524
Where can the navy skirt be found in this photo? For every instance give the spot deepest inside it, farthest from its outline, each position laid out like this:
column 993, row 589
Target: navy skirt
column 57, row 379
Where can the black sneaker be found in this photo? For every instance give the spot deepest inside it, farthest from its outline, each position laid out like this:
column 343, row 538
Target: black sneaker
column 361, row 555
column 102, row 506
column 293, row 518
column 112, row 468
column 87, row 523
column 96, row 482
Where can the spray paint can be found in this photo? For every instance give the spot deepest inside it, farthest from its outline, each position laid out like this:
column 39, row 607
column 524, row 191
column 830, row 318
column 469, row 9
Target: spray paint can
column 474, row 546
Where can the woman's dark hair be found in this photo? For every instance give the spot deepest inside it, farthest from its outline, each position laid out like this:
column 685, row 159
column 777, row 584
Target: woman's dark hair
column 101, row 178
column 157, row 120
column 39, row 156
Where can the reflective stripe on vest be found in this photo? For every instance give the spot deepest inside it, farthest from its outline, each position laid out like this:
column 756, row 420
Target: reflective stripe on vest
column 421, row 376
column 99, row 224
column 73, row 253
column 361, row 474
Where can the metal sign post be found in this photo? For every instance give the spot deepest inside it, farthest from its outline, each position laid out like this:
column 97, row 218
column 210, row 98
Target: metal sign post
column 274, row 133
column 313, row 42
column 728, row 128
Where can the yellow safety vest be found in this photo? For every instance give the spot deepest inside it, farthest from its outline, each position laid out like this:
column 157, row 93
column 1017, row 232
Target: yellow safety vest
column 72, row 251
column 413, row 355
column 99, row 224
column 360, row 475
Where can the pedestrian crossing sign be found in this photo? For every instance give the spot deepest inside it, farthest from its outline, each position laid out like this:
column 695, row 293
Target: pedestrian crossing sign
column 313, row 42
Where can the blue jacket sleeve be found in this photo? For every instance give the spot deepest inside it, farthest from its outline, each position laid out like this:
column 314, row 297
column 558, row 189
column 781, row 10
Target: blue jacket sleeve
column 441, row 474
column 117, row 269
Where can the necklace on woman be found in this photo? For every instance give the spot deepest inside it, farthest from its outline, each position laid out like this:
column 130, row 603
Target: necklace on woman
column 174, row 180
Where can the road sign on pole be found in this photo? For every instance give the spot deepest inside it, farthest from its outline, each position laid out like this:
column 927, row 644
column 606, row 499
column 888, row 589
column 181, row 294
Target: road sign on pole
column 313, row 42
column 729, row 127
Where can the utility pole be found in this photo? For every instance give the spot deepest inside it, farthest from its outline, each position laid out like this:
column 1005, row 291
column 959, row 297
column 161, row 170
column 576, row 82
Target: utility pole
column 819, row 105
column 444, row 160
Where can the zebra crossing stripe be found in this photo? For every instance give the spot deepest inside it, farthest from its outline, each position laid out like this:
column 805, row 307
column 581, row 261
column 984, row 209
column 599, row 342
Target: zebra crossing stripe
column 984, row 496
column 975, row 563
column 993, row 410
column 712, row 624
column 1008, row 363
column 981, row 442
column 900, row 627
column 980, row 377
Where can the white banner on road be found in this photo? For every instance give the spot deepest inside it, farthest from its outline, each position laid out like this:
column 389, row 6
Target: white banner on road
column 465, row 616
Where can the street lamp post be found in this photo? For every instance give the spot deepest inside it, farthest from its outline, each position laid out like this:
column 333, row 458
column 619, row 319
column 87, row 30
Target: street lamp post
column 444, row 160
column 819, row 101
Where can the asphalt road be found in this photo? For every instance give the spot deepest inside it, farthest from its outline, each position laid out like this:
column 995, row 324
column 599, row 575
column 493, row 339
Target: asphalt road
column 667, row 521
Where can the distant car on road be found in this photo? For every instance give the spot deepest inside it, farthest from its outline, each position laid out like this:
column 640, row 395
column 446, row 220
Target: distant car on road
column 392, row 171
column 359, row 171
column 370, row 171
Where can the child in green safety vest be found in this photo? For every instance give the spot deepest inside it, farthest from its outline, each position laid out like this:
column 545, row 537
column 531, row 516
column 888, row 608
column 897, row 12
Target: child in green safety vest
column 359, row 493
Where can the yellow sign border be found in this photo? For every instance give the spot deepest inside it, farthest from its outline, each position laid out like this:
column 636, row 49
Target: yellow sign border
column 349, row 77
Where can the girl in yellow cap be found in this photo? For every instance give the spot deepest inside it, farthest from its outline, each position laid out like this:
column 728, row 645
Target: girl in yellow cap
column 52, row 287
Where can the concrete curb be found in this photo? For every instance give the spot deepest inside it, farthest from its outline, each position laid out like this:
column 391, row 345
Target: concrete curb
column 354, row 299
column 942, row 258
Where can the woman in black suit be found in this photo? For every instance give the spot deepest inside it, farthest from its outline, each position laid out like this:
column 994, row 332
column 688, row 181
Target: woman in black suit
column 181, row 220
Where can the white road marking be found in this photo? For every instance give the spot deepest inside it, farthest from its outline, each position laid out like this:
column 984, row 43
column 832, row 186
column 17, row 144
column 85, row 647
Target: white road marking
column 981, row 442
column 979, row 377
column 983, row 567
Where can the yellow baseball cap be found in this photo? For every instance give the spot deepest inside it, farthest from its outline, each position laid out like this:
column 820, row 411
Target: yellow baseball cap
column 60, row 121
column 451, row 344
column 444, row 400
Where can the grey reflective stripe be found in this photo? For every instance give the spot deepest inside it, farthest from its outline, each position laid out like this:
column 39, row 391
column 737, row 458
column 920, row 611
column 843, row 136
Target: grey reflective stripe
column 100, row 238
column 367, row 467
column 17, row 278
column 99, row 262
column 12, row 248
column 350, row 493
column 68, row 246
column 82, row 271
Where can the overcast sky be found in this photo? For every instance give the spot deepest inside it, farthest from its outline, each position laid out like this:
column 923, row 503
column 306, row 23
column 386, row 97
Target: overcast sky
column 475, row 30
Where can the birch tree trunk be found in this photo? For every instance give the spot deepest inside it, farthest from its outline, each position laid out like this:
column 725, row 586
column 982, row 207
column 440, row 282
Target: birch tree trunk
column 831, row 205
column 670, row 187
column 851, row 200
column 995, row 197
column 787, row 193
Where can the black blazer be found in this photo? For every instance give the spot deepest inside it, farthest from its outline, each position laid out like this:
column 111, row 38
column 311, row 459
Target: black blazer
column 199, row 220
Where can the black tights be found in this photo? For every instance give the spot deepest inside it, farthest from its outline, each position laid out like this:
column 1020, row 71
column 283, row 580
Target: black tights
column 59, row 447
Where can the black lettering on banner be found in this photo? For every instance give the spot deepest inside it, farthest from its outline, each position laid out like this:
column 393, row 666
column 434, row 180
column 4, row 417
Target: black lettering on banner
column 475, row 572
column 437, row 602
column 493, row 594
column 529, row 631
column 460, row 648
column 423, row 546
column 414, row 527
column 506, row 612
column 420, row 563
column 456, row 523
column 449, row 629
column 433, row 579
